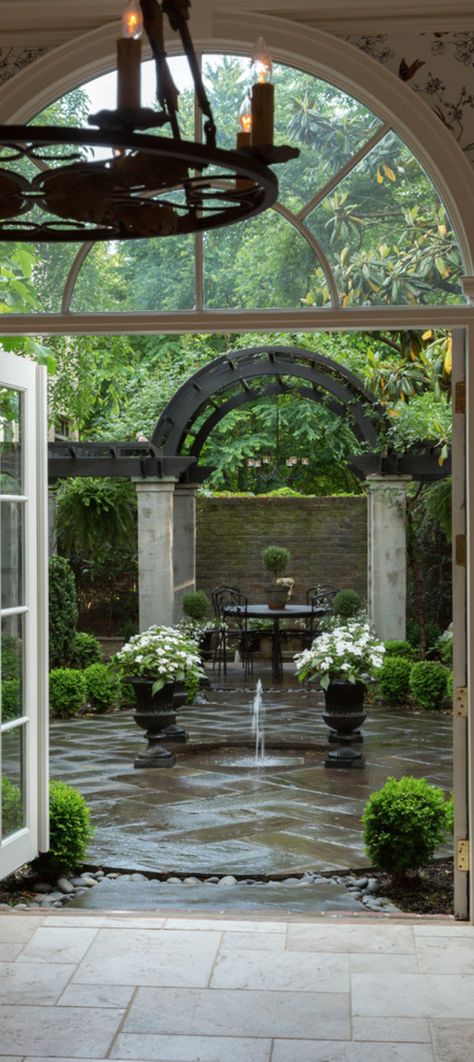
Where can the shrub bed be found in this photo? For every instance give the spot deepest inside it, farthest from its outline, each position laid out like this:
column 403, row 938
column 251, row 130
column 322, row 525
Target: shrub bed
column 394, row 679
column 86, row 650
column 70, row 831
column 404, row 822
column 103, row 686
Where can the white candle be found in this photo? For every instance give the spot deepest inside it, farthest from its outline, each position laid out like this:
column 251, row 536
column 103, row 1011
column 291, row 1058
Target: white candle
column 129, row 53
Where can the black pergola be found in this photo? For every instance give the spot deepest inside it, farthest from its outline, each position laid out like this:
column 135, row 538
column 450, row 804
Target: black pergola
column 227, row 383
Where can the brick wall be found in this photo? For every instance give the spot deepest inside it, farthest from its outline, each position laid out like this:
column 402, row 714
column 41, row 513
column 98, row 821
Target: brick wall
column 327, row 538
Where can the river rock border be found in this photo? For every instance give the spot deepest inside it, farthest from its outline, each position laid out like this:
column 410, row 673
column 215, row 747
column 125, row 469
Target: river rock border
column 363, row 889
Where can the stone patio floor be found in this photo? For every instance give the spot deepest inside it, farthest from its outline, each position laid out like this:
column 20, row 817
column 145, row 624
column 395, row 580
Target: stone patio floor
column 211, row 814
column 235, row 990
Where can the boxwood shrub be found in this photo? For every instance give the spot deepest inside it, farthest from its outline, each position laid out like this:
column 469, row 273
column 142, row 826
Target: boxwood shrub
column 67, row 691
column 428, row 682
column 404, row 822
column 346, row 603
column 103, row 686
column 86, row 649
column 12, row 808
column 394, row 679
column 397, row 647
column 70, row 831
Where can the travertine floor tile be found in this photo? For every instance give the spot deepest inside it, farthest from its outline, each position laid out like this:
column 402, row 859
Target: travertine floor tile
column 309, row 1051
column 56, row 944
column 191, row 1048
column 96, row 996
column 412, row 996
column 228, row 1013
column 149, row 957
column 253, row 942
column 453, row 1041
column 97, row 921
column 15, row 927
column 308, row 972
column 33, row 984
column 62, row 1031
column 10, row 951
column 226, row 925
column 366, row 938
column 447, row 955
column 378, row 963
column 443, row 929
column 404, row 1030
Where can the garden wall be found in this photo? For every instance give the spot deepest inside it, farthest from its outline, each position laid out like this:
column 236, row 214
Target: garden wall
column 327, row 538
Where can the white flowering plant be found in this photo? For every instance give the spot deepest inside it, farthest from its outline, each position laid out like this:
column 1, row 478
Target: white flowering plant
column 348, row 653
column 163, row 654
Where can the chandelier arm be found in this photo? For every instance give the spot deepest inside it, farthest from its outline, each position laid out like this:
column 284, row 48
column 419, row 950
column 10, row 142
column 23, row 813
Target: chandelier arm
column 177, row 12
column 166, row 91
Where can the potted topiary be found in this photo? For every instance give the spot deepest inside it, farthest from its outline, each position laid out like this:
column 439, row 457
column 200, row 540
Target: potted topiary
column 276, row 559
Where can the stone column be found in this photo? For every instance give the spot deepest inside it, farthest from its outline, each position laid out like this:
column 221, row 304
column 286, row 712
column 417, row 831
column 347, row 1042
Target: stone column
column 387, row 567
column 155, row 499
column 184, row 546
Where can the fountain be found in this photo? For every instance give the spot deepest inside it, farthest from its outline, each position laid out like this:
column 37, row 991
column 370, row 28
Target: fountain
column 257, row 713
column 258, row 723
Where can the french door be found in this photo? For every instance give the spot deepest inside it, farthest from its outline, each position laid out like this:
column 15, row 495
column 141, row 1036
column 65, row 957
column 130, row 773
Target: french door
column 23, row 612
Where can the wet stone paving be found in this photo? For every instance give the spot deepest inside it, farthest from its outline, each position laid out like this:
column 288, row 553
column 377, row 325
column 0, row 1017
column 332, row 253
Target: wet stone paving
column 215, row 813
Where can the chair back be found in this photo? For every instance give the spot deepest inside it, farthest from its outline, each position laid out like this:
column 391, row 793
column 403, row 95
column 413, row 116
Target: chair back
column 226, row 597
column 321, row 597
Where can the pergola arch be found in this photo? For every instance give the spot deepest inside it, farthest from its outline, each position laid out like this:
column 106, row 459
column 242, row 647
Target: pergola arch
column 347, row 395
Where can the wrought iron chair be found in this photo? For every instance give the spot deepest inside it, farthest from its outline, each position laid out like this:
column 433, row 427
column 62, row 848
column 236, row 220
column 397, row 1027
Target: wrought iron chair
column 224, row 597
column 321, row 599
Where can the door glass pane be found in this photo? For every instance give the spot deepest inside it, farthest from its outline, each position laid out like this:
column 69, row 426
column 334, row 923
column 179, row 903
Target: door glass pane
column 11, row 471
column 11, row 538
column 13, row 801
column 12, row 668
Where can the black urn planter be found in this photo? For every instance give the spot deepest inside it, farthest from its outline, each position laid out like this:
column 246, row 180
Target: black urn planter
column 344, row 714
column 156, row 714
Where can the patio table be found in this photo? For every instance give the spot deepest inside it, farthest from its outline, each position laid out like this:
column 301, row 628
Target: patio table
column 275, row 614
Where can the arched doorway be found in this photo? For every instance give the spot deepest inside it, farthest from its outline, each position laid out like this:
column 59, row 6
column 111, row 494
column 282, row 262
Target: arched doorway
column 420, row 130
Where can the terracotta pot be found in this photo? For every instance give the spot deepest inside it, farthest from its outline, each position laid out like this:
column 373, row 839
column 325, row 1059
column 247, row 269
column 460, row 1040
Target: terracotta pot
column 276, row 596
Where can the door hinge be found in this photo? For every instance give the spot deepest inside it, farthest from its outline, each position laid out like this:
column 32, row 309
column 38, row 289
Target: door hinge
column 460, row 702
column 463, row 855
column 461, row 550
column 460, row 397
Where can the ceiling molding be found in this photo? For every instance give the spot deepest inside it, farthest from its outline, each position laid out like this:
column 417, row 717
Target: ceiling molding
column 48, row 23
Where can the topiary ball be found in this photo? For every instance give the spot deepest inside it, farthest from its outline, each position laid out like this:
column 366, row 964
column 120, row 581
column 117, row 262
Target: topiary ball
column 428, row 683
column 404, row 822
column 346, row 603
column 394, row 679
column 67, row 691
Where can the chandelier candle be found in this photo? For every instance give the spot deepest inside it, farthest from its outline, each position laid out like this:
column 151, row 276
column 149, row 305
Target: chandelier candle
column 129, row 54
column 244, row 138
column 262, row 95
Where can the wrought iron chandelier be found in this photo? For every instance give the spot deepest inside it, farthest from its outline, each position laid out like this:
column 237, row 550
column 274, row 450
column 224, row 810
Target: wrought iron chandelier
column 149, row 185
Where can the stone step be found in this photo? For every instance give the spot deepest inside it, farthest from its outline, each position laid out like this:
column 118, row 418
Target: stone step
column 314, row 898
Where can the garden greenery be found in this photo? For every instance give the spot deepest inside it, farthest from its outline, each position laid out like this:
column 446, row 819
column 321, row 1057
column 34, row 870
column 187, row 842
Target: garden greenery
column 86, row 650
column 350, row 653
column 102, row 685
column 404, row 822
column 12, row 808
column 62, row 612
column 346, row 604
column 394, row 679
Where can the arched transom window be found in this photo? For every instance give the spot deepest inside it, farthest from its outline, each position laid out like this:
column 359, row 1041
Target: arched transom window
column 358, row 221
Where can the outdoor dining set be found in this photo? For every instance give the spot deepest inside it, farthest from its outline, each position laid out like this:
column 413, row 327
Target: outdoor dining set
column 236, row 615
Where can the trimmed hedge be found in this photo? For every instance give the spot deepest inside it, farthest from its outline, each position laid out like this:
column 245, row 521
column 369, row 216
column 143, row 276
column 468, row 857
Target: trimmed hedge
column 86, row 649
column 70, row 831
column 11, row 699
column 346, row 603
column 404, row 822
column 67, row 691
column 397, row 647
column 428, row 683
column 394, row 679
column 63, row 612
column 103, row 686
